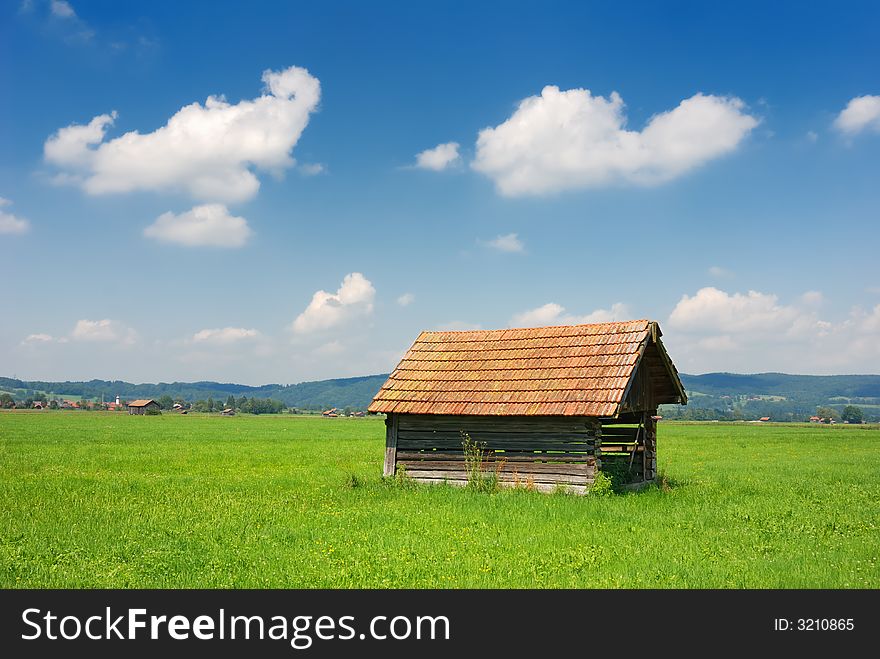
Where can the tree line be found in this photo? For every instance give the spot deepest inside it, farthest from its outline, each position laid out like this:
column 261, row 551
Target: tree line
column 243, row 404
column 776, row 412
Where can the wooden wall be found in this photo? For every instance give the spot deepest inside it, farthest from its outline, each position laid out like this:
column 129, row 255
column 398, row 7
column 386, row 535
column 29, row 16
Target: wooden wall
column 631, row 448
column 143, row 410
column 544, row 453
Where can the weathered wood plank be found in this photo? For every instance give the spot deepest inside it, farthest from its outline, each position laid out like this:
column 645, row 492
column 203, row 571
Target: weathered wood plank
column 493, row 457
column 620, row 448
column 503, row 477
column 572, row 447
column 505, row 467
column 500, row 445
column 391, row 426
column 505, row 429
column 623, row 418
column 489, row 437
column 456, row 418
column 415, row 421
column 618, row 431
column 476, row 423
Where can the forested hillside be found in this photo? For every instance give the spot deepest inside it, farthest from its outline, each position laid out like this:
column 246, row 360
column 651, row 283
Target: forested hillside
column 342, row 392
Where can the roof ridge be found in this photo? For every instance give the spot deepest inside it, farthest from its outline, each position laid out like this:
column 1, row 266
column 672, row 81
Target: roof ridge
column 538, row 327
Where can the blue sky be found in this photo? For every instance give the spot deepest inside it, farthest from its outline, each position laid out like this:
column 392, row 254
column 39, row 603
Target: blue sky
column 711, row 167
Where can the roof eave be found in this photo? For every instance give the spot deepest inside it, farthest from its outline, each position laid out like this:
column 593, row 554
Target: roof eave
column 649, row 335
column 670, row 368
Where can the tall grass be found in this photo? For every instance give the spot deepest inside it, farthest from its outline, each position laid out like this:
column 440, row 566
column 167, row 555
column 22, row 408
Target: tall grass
column 108, row 500
column 479, row 478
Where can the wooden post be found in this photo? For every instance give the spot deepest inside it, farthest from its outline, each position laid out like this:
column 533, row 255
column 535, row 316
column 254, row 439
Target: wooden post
column 391, row 423
column 640, row 441
column 594, row 426
column 649, row 457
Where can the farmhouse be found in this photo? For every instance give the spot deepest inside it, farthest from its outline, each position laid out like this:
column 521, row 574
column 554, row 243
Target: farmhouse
column 552, row 404
column 141, row 406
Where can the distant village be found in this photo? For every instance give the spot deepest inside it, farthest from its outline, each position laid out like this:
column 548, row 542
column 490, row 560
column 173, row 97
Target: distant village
column 165, row 404
column 761, row 409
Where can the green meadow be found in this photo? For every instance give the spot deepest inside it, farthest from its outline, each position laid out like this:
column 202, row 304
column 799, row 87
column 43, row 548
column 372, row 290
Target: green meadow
column 106, row 500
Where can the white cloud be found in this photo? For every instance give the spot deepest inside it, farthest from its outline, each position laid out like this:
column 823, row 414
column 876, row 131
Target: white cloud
column 103, row 331
column 548, row 314
column 571, row 139
column 225, row 336
column 438, row 158
column 62, row 9
column 714, row 330
column 59, row 19
column 326, row 310
column 711, row 309
column 64, row 178
column 718, row 271
column 507, row 243
column 40, row 339
column 406, row 299
column 554, row 314
column 207, row 151
column 721, row 343
column 312, row 169
column 861, row 113
column 9, row 223
column 208, row 225
column 70, row 146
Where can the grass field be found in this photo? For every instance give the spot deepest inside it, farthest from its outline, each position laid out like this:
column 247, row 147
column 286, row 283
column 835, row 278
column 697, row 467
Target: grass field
column 109, row 500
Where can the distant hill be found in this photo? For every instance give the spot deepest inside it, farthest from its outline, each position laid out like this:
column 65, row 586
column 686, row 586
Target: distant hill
column 341, row 392
column 780, row 396
column 713, row 395
column 781, row 384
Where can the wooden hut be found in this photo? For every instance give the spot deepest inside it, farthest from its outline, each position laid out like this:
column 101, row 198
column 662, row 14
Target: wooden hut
column 141, row 406
column 552, row 404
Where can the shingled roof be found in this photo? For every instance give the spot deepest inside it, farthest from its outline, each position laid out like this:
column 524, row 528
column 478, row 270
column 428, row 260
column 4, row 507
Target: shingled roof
column 569, row 370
